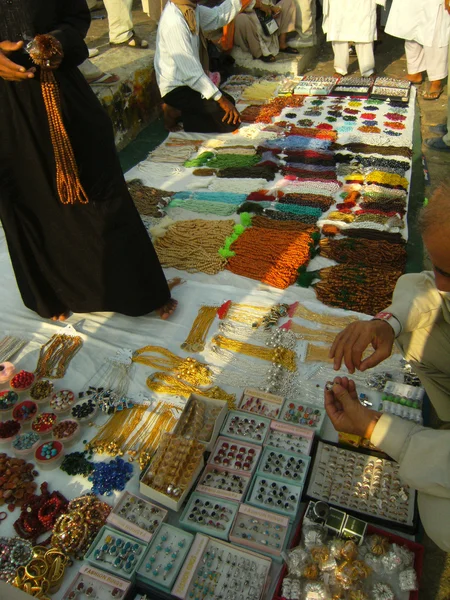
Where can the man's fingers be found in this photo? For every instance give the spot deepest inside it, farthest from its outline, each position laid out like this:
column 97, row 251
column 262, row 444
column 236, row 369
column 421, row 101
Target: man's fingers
column 376, row 357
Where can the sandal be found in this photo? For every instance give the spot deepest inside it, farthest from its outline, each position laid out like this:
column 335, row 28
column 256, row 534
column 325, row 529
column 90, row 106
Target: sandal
column 434, row 95
column 267, row 59
column 133, row 42
column 289, row 50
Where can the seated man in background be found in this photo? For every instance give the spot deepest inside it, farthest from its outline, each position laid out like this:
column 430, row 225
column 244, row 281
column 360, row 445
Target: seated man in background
column 181, row 60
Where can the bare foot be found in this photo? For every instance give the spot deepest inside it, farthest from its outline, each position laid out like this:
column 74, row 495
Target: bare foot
column 61, row 317
column 168, row 308
column 171, row 116
column 415, row 77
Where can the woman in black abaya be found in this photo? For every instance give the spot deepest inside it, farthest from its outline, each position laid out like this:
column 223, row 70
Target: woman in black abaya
column 67, row 257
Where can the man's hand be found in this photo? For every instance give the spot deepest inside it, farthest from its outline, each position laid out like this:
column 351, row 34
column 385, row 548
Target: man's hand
column 447, row 5
column 346, row 412
column 276, row 10
column 350, row 344
column 9, row 70
column 231, row 116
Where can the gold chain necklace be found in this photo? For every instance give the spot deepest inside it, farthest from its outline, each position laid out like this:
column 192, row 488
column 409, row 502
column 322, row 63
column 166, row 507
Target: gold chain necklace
column 332, row 321
column 56, row 354
column 164, row 383
column 189, row 369
column 280, row 355
column 195, row 341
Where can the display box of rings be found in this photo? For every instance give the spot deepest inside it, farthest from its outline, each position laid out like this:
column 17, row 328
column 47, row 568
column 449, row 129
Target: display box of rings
column 237, row 456
column 214, row 413
column 223, row 483
column 216, row 569
column 209, row 515
column 287, row 465
column 261, row 403
column 275, row 494
column 292, row 438
column 137, row 516
column 261, row 530
column 164, row 557
column 95, row 583
column 300, row 413
column 116, row 552
column 364, row 483
column 243, row 426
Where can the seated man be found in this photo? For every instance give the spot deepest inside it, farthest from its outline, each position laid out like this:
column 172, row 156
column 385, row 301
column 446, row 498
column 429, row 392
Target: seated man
column 180, row 62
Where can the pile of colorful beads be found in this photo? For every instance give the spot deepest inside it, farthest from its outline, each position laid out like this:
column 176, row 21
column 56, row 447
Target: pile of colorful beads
column 25, row 411
column 48, row 450
column 22, row 380
column 62, row 400
column 8, row 429
column 8, row 399
column 14, row 552
column 44, row 422
column 41, row 389
column 84, row 410
column 25, row 441
column 111, row 476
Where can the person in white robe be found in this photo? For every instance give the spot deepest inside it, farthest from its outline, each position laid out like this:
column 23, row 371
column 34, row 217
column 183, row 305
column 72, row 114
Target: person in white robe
column 346, row 21
column 425, row 27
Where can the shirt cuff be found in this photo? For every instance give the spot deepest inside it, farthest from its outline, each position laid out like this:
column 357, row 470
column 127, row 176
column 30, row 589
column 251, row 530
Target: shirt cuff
column 393, row 321
column 217, row 96
column 390, row 434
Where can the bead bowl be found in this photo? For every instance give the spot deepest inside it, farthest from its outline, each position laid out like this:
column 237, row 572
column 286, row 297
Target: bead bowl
column 17, row 386
column 70, row 439
column 41, row 390
column 24, row 452
column 5, row 437
column 24, row 412
column 79, row 407
column 8, row 399
column 55, row 460
column 48, row 421
column 62, row 401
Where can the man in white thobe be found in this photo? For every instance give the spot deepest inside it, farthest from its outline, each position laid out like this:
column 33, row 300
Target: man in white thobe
column 346, row 21
column 425, row 27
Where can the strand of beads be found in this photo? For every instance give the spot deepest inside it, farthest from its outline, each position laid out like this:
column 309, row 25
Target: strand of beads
column 379, row 252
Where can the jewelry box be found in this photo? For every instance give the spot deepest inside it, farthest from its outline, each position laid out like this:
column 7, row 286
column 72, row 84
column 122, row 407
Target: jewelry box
column 311, row 85
column 285, row 465
column 390, row 93
column 353, row 86
column 94, row 583
column 261, row 530
column 278, row 495
column 164, row 557
column 215, row 570
column 210, row 420
column 209, row 515
column 137, row 516
column 364, row 483
column 261, row 403
column 223, row 483
column 241, row 457
column 116, row 552
column 300, row 413
column 291, row 438
column 243, row 426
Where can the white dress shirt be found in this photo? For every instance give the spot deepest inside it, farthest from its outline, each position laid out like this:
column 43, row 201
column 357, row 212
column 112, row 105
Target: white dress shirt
column 177, row 57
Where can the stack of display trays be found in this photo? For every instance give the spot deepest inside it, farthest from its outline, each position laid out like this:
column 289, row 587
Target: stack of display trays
column 358, row 87
column 387, row 88
column 311, row 85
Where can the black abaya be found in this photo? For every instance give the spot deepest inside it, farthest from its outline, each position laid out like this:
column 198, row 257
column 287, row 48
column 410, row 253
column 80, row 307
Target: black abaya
column 82, row 257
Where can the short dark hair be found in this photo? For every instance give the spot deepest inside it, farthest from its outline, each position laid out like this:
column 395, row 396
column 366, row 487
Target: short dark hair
column 437, row 212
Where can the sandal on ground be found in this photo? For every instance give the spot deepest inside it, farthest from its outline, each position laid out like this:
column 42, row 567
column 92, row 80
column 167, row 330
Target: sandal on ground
column 104, row 79
column 416, row 83
column 133, row 42
column 289, row 50
column 440, row 129
column 434, row 95
column 267, row 59
column 437, row 144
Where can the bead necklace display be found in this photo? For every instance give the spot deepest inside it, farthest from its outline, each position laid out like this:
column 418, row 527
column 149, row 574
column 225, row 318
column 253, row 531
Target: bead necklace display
column 17, row 481
column 273, row 494
column 195, row 341
column 22, row 381
column 371, row 253
column 137, row 516
column 240, row 426
column 260, row 530
column 237, row 456
column 116, row 552
column 149, row 201
column 361, row 482
column 14, row 553
column 303, row 414
column 164, row 557
column 290, row 438
column 206, row 514
column 174, row 465
column 74, row 531
column 282, row 464
column 279, row 355
column 56, row 354
column 258, row 402
column 223, row 483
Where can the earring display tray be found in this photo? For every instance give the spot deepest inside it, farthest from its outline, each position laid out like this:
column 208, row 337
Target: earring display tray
column 276, row 495
column 90, row 582
column 209, row 515
column 235, row 455
column 243, row 426
column 215, row 570
column 223, row 483
column 363, row 483
column 116, row 552
column 137, row 516
column 291, row 438
column 284, row 465
column 261, row 530
column 164, row 557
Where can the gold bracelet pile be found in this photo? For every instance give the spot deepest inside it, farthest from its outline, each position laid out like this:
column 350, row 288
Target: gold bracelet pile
column 279, row 355
column 43, row 575
column 56, row 354
column 195, row 341
column 188, row 369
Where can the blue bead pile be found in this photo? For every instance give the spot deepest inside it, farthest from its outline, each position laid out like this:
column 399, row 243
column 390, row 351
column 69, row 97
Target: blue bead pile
column 111, row 476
